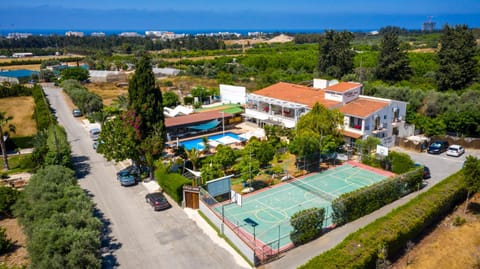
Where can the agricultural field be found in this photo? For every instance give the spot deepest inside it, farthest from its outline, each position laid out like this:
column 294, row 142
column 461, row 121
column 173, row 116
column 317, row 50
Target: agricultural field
column 108, row 91
column 21, row 109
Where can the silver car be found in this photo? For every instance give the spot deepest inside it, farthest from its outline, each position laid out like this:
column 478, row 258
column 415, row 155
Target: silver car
column 455, row 150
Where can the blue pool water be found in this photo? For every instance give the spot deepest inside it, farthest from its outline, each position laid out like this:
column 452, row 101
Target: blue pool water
column 198, row 144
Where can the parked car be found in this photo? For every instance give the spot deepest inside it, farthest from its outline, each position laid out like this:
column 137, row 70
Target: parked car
column 94, row 133
column 438, row 147
column 137, row 170
column 77, row 112
column 126, row 179
column 455, row 150
column 426, row 171
column 157, row 200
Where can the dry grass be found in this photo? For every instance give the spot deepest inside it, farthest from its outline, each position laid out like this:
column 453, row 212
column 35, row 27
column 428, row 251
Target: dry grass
column 448, row 246
column 108, row 91
column 19, row 255
column 33, row 67
column 21, row 109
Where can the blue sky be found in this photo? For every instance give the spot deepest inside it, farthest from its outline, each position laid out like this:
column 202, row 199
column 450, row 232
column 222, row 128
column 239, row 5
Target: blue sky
column 225, row 15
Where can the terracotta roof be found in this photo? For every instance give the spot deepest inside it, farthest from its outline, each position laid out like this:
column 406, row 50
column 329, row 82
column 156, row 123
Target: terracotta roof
column 343, row 86
column 351, row 134
column 362, row 107
column 296, row 93
column 194, row 118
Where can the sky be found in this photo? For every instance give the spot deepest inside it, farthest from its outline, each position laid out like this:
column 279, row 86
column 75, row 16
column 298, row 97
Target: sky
column 232, row 15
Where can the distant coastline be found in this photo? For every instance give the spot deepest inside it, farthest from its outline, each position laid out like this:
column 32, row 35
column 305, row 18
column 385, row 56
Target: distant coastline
column 243, row 32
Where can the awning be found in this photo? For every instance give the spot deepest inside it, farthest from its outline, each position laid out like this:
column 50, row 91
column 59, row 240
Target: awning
column 226, row 140
column 205, row 126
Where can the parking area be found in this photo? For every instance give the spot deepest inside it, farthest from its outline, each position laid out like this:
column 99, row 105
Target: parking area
column 441, row 165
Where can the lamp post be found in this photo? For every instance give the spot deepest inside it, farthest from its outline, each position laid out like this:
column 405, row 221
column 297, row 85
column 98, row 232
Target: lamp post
column 223, row 123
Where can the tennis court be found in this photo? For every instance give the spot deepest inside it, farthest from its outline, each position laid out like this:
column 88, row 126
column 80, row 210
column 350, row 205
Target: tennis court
column 265, row 215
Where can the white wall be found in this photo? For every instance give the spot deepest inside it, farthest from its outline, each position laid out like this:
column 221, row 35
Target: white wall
column 230, row 94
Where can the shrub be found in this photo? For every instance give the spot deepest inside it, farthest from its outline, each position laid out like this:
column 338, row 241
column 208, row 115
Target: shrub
column 307, row 225
column 353, row 205
column 42, row 112
column 8, row 197
column 5, row 243
column 23, row 142
column 458, row 221
column 14, row 90
column 172, row 183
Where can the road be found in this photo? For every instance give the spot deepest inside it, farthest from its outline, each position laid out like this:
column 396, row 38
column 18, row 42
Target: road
column 441, row 166
column 134, row 235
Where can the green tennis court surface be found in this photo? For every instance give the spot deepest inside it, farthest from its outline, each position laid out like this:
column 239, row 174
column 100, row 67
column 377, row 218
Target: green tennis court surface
column 272, row 208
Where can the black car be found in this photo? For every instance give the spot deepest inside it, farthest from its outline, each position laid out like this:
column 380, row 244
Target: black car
column 157, row 200
column 426, row 171
column 438, row 147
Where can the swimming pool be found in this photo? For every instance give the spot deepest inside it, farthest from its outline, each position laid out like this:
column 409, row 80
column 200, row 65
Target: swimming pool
column 218, row 138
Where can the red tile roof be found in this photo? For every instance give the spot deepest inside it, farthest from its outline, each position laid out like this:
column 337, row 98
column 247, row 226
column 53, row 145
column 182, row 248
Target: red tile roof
column 194, row 118
column 296, row 93
column 362, row 107
column 343, row 86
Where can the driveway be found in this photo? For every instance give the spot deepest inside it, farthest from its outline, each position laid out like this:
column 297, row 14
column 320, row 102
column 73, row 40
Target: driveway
column 134, row 235
column 441, row 166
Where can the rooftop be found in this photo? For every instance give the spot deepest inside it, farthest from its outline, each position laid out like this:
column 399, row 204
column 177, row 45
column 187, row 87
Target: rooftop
column 343, row 86
column 363, row 107
column 194, row 118
column 296, row 93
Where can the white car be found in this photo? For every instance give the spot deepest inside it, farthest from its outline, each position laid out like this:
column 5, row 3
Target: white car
column 94, row 133
column 455, row 150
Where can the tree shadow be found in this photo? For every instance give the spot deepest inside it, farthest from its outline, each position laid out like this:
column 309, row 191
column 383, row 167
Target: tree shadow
column 81, row 166
column 109, row 244
column 474, row 208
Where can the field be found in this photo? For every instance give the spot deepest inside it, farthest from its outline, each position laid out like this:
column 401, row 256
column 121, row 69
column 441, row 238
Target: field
column 447, row 245
column 21, row 109
column 108, row 91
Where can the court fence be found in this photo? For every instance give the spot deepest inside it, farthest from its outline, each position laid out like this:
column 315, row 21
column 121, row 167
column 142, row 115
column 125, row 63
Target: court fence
column 237, row 231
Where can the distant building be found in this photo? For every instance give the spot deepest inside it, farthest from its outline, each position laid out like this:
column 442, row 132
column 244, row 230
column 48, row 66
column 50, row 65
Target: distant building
column 129, row 34
column 165, row 72
column 18, row 35
column 77, row 34
column 22, row 54
column 107, row 76
column 17, row 76
column 98, row 34
column 428, row 26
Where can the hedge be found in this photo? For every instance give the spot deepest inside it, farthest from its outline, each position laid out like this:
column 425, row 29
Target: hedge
column 14, row 90
column 42, row 114
column 172, row 183
column 403, row 224
column 23, row 142
column 88, row 102
column 353, row 205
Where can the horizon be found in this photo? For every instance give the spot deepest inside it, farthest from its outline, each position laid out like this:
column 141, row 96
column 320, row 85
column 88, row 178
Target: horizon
column 189, row 15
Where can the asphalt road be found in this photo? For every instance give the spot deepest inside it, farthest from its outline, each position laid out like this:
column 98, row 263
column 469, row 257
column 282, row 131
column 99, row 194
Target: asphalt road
column 135, row 236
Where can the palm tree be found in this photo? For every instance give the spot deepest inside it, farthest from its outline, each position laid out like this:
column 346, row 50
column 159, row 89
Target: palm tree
column 194, row 156
column 206, row 146
column 3, row 122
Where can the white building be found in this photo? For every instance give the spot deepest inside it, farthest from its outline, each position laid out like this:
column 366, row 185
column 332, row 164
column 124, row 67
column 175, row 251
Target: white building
column 284, row 103
column 72, row 33
column 165, row 72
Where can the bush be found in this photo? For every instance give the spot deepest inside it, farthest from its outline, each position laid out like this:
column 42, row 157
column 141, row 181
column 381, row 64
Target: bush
column 23, row 142
column 458, row 221
column 172, row 183
column 8, row 197
column 14, row 90
column 307, row 225
column 42, row 112
column 353, row 205
column 86, row 101
column 403, row 224
column 5, row 243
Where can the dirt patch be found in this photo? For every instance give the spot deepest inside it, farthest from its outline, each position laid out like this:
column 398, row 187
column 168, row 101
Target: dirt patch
column 21, row 109
column 18, row 256
column 424, row 50
column 108, row 91
column 447, row 245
